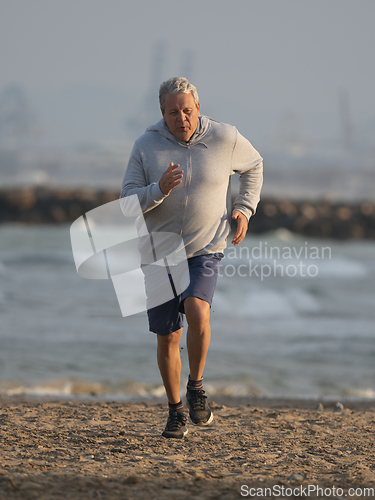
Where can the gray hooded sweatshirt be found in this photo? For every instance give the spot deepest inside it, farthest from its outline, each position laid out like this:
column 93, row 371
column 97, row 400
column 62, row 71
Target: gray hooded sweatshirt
column 198, row 209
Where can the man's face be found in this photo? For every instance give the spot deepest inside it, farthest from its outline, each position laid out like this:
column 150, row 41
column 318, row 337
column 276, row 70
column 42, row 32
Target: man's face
column 181, row 115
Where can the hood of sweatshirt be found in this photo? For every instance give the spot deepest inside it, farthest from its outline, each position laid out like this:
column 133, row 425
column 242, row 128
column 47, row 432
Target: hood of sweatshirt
column 203, row 127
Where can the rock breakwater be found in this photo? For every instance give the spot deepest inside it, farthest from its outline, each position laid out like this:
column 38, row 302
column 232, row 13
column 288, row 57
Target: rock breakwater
column 320, row 218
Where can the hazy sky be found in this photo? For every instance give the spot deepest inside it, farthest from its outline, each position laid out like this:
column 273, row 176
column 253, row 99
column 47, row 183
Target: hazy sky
column 253, row 61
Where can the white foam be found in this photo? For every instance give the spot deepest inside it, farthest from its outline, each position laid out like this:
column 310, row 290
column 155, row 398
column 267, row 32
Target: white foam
column 75, row 387
column 266, row 304
column 341, row 268
column 361, row 393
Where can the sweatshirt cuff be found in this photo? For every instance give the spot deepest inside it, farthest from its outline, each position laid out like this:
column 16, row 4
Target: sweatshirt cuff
column 156, row 193
column 246, row 212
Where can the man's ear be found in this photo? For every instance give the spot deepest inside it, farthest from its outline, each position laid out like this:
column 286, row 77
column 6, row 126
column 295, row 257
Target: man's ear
column 199, row 106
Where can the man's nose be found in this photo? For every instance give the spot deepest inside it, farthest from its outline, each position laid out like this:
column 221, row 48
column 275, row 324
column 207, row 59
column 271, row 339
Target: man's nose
column 181, row 116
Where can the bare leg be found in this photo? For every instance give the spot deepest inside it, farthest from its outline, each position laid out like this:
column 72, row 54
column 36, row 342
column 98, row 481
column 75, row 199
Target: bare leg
column 169, row 362
column 198, row 335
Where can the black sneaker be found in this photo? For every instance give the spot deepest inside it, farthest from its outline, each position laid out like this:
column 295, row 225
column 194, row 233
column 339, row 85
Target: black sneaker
column 176, row 425
column 199, row 410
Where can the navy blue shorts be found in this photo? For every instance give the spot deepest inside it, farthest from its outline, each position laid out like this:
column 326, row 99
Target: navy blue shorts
column 169, row 317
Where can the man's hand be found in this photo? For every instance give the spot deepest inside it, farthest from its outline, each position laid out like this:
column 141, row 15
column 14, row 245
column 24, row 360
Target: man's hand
column 170, row 179
column 242, row 224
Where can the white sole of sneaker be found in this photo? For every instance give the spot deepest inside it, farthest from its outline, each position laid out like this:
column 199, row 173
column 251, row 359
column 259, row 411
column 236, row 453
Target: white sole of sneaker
column 174, row 437
column 206, row 423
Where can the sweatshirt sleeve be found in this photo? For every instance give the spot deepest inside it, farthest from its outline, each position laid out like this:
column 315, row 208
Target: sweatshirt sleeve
column 247, row 162
column 149, row 195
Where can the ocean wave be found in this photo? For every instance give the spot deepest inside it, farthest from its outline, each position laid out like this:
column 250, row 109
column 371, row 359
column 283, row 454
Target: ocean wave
column 341, row 267
column 360, row 393
column 75, row 387
column 127, row 390
column 338, row 267
column 269, row 304
column 78, row 388
column 20, row 256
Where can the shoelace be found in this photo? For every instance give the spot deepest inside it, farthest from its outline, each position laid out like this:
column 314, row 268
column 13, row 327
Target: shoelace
column 175, row 420
column 197, row 399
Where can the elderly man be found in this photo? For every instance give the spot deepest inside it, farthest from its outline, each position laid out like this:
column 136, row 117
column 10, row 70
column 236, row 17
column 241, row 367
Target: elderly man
column 180, row 169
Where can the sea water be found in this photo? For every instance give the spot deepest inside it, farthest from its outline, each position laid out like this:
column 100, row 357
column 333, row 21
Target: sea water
column 291, row 316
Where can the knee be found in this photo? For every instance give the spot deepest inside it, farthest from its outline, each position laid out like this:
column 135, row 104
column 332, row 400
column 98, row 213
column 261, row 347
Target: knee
column 169, row 342
column 197, row 313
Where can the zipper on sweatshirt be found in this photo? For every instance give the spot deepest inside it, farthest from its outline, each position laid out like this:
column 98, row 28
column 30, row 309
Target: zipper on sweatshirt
column 187, row 183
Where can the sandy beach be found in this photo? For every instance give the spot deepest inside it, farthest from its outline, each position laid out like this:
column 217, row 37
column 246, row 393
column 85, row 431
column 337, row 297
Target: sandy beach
column 112, row 450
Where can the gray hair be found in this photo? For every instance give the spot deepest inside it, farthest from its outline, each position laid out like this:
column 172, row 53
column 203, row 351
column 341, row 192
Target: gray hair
column 176, row 85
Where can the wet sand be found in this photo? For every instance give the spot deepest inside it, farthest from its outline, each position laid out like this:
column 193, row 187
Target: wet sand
column 95, row 449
